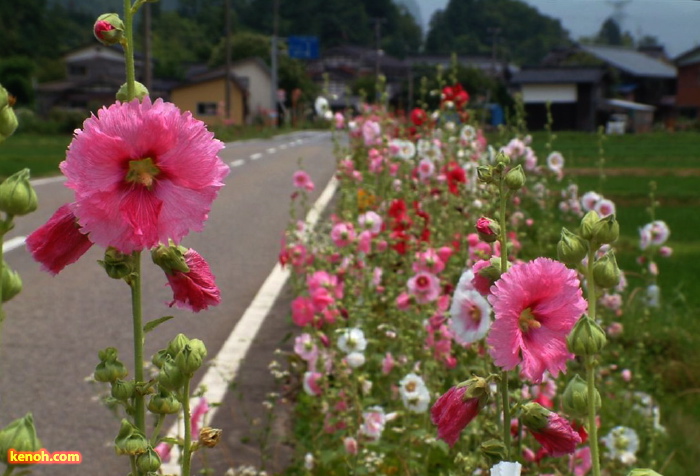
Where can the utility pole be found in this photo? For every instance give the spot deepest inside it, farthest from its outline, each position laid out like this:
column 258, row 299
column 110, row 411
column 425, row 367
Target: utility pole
column 273, row 61
column 227, row 49
column 378, row 37
column 147, row 46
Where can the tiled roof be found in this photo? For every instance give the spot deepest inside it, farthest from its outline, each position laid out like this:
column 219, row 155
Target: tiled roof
column 631, row 61
column 557, row 75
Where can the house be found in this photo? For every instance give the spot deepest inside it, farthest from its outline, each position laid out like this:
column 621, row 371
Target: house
column 204, row 96
column 574, row 96
column 688, row 83
column 94, row 74
column 487, row 64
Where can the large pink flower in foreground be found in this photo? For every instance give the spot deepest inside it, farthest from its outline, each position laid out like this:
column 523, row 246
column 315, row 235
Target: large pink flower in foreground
column 536, row 304
column 143, row 173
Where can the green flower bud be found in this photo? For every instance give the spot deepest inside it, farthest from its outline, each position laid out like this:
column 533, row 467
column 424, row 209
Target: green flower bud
column 117, row 264
column 170, row 259
column 20, row 435
column 11, row 282
column 606, row 274
column 109, row 29
column 190, row 359
column 606, row 230
column 476, row 387
column 148, row 462
column 8, row 122
column 494, row 449
column 164, row 403
column 535, row 416
column 177, row 344
column 123, row 390
column 17, row 196
column 484, row 173
column 130, row 441
column 140, row 92
column 643, row 472
column 587, row 223
column 571, row 248
column 586, row 338
column 4, row 97
column 159, row 357
column 515, row 178
column 170, row 377
column 110, row 368
column 502, row 159
column 575, row 398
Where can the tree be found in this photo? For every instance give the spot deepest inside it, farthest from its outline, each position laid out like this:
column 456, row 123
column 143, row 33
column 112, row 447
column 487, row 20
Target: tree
column 610, row 33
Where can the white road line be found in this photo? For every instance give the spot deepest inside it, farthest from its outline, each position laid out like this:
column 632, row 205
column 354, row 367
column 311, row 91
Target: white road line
column 283, row 146
column 225, row 365
column 271, row 150
column 13, row 243
column 45, row 180
column 237, row 163
column 255, row 156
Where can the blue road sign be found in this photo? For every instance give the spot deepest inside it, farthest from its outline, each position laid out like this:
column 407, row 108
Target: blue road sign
column 302, row 47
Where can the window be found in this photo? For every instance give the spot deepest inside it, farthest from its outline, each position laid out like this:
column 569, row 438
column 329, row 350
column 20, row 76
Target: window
column 206, row 109
column 77, row 70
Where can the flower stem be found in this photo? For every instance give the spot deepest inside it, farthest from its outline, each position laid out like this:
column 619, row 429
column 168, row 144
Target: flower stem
column 156, row 431
column 591, row 365
column 139, row 408
column 506, row 413
column 186, row 450
column 128, row 45
column 504, row 267
column 8, row 470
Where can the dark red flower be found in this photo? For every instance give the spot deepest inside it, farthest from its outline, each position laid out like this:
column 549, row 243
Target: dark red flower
column 457, row 407
column 455, row 175
column 418, row 116
column 195, row 289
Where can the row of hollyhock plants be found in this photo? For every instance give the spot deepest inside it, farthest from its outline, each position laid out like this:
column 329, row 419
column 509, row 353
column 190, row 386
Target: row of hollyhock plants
column 424, row 347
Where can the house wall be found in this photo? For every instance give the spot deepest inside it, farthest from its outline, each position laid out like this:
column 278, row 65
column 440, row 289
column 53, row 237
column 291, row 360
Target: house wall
column 688, row 86
column 554, row 93
column 259, row 85
column 188, row 97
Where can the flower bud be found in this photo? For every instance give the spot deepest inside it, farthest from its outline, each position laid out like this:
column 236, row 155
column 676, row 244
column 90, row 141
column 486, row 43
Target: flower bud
column 123, row 390
column 571, row 248
column 606, row 274
column 110, row 368
column 117, row 264
column 606, row 230
column 130, row 441
column 502, row 158
column 177, row 344
column 484, row 173
column 4, row 97
column 587, row 223
column 164, row 403
column 170, row 377
column 159, row 357
column 535, row 416
column 109, row 29
column 20, row 435
column 494, row 449
column 11, row 282
column 148, row 462
column 17, row 196
column 140, row 92
column 209, row 436
column 515, row 178
column 586, row 338
column 8, row 122
column 190, row 359
column 170, row 259
column 643, row 472
column 488, row 229
column 575, row 398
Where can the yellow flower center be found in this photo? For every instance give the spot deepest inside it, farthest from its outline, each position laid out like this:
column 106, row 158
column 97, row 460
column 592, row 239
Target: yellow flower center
column 527, row 321
column 410, row 386
column 142, row 171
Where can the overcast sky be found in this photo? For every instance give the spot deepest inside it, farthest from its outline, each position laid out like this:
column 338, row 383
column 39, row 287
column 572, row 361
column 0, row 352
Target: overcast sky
column 673, row 22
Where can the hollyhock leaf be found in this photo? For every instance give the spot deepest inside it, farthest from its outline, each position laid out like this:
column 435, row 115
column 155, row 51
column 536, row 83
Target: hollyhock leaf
column 155, row 323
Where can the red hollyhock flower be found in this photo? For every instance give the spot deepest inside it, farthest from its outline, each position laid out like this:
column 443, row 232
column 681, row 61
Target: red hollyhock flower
column 418, row 116
column 196, row 289
column 455, row 175
column 457, row 407
column 552, row 431
column 58, row 242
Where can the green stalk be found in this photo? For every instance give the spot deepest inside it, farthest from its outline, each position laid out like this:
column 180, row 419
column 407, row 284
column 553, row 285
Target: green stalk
column 591, row 366
column 8, row 470
column 128, row 45
column 504, row 267
column 186, row 450
column 135, row 283
column 156, row 432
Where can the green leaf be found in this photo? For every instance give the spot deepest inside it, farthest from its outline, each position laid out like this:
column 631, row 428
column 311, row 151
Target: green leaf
column 155, row 323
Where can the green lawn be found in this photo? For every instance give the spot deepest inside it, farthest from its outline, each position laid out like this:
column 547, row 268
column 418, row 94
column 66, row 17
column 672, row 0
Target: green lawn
column 41, row 153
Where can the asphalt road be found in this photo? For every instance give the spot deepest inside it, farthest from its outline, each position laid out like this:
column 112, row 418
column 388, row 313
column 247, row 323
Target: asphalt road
column 56, row 326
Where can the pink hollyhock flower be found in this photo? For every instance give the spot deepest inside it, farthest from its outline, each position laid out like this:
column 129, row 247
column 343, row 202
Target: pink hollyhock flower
column 339, row 120
column 325, row 280
column 425, row 287
column 305, row 348
column 388, row 363
column 456, row 408
column 552, row 431
column 303, row 311
column 350, row 445
column 426, row 169
column 371, row 132
column 370, row 221
column 480, row 282
column 403, row 301
column 604, row 207
column 342, row 234
column 470, row 315
column 302, row 180
column 581, row 463
column 428, row 261
column 163, row 450
column 311, row 383
column 195, row 289
column 374, row 420
column 143, row 173
column 364, row 242
column 197, row 418
column 536, row 305
column 58, row 242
